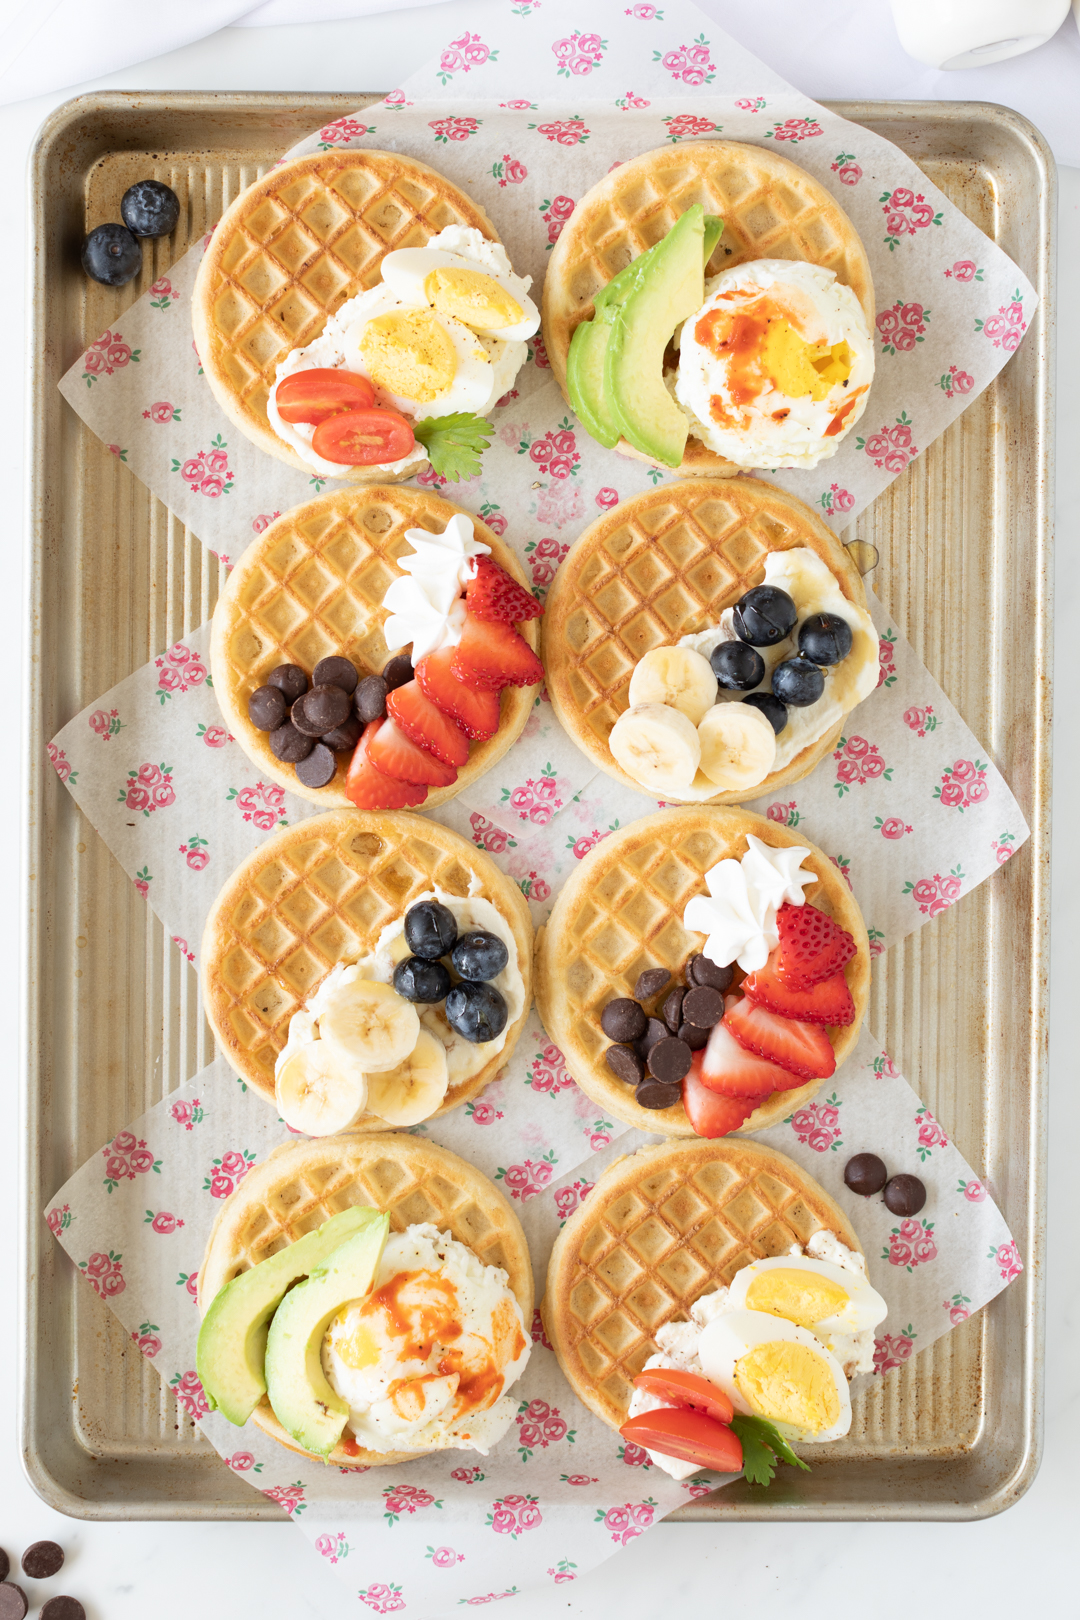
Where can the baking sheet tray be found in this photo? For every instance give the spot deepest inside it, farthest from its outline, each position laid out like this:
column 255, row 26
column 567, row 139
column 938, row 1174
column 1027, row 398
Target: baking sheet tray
column 113, row 1021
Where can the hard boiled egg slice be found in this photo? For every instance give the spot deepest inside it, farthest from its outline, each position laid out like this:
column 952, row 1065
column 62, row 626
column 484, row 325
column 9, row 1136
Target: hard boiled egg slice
column 813, row 1294
column 486, row 300
column 768, row 1367
column 422, row 362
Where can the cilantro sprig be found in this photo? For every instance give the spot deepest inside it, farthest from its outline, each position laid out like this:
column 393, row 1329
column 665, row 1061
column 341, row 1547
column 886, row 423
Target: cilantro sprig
column 763, row 1447
column 454, row 443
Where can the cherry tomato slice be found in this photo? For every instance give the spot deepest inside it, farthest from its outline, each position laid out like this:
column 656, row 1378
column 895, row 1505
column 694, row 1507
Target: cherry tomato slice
column 686, row 1389
column 363, row 438
column 708, row 1112
column 675, row 1431
column 314, row 396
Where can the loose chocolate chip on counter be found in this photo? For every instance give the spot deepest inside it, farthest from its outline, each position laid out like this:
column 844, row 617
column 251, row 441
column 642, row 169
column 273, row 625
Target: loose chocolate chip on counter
column 694, row 1036
column 320, row 710
column 290, row 679
column 343, row 737
column 398, row 671
column 671, row 1011
column 42, row 1559
column 700, row 970
column 267, row 708
column 904, row 1195
column 5, row 1565
column 650, row 983
column 623, row 1020
column 865, row 1174
column 13, row 1604
column 318, row 768
column 669, row 1060
column 290, row 745
column 653, row 1093
column 654, row 1031
column 370, row 699
column 703, row 1007
column 625, row 1064
column 335, row 672
column 62, row 1608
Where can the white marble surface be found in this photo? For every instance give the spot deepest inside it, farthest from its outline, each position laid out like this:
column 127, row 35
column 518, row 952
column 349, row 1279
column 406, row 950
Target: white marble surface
column 1025, row 1559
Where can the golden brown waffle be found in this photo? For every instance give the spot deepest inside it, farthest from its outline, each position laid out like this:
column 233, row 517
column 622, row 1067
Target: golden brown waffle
column 663, row 565
column 303, row 1183
column 771, row 209
column 621, row 912
column 660, row 1228
column 312, row 585
column 291, row 250
column 319, row 894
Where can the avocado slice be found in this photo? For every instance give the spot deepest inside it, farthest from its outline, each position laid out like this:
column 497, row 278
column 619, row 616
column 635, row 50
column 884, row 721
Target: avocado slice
column 303, row 1400
column 232, row 1339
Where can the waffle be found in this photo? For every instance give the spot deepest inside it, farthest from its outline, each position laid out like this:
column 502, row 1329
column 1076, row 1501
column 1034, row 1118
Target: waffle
column 291, row 250
column 660, row 1228
column 319, row 894
column 302, row 1184
column 666, row 564
column 771, row 209
column 312, row 585
column 621, row 912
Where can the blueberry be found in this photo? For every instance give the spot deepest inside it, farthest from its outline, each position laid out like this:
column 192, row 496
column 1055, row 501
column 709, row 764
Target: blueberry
column 825, row 638
column 797, row 682
column 149, row 208
column 771, row 707
column 430, row 930
column 737, row 665
column 476, row 1011
column 479, row 955
column 418, row 980
column 111, row 255
column 765, row 616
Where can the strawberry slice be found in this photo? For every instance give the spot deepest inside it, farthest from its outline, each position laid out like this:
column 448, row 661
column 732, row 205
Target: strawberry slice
column 812, row 946
column 708, row 1112
column 369, row 789
column 491, row 655
column 395, row 754
column 477, row 713
column 803, row 1049
column 728, row 1068
column 827, row 1002
column 426, row 725
column 494, row 595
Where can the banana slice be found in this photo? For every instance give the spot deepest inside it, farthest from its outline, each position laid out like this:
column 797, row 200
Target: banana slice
column 738, row 746
column 677, row 676
column 415, row 1089
column 319, row 1094
column 370, row 1025
column 658, row 746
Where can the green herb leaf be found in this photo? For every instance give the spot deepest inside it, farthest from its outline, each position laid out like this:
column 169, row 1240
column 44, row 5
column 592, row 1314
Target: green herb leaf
column 760, row 1441
column 454, row 443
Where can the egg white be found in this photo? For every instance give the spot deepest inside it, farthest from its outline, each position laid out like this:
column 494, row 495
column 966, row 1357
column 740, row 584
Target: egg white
column 730, row 1336
column 865, row 1307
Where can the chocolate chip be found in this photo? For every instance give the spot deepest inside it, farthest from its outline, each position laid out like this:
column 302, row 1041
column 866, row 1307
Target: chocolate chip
column 623, row 1020
column 319, row 768
column 344, row 737
column 904, row 1195
column 42, row 1559
column 398, row 671
column 290, row 745
column 625, row 1064
column 669, row 1060
column 653, row 1093
column 320, row 710
column 650, row 983
column 671, row 1011
column 267, row 708
column 703, row 1007
column 5, row 1565
column 700, row 970
column 290, row 679
column 63, row 1608
column 13, row 1604
column 694, row 1036
column 335, row 672
column 370, row 699
column 865, row 1174
column 654, row 1031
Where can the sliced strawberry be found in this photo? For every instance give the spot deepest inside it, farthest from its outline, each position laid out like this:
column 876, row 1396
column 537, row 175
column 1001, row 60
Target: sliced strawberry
column 477, row 713
column 369, row 789
column 728, row 1068
column 827, row 1002
column 491, row 655
column 708, row 1112
column 494, row 595
column 803, row 1049
column 425, row 724
column 391, row 752
column 812, row 946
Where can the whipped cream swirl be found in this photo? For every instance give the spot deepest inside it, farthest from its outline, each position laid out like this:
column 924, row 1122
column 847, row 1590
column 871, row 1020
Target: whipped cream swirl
column 426, row 605
column 738, row 915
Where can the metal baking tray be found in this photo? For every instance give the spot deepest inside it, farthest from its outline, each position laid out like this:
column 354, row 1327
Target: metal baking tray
column 113, row 1020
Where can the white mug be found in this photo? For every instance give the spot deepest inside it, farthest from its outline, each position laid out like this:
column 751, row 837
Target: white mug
column 975, row 33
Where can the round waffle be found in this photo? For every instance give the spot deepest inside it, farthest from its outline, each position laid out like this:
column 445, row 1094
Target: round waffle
column 660, row 1228
column 662, row 565
column 318, row 895
column 290, row 251
column 621, row 912
column 771, row 209
column 302, row 1184
column 312, row 585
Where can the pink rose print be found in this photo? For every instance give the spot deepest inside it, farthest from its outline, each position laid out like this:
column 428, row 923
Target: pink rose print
column 886, row 653
column 957, row 1308
column 932, row 895
column 835, row 499
column 189, row 1281
column 630, row 100
column 509, row 172
column 162, row 412
column 556, row 453
column 956, row 382
column 382, row 1598
column 61, row 764
column 901, row 327
column 396, row 99
column 581, row 846
column 645, row 13
column 963, row 784
column 535, row 801
column 877, row 941
column 1006, row 1257
column 547, row 1072
column 564, row 1569
column 564, row 131
column 606, row 499
column 290, row 1497
column 627, row 1521
column 105, row 1272
column 58, row 1220
column 884, row 1066
column 125, row 1159
column 163, row 1222
column 146, row 1337
column 148, row 789
column 190, row 1395
column 634, row 1456
column 467, row 1476
column 795, row 129
column 513, row 1515
column 106, row 723
column 567, row 1199
column 489, row 836
column 846, row 170
column 482, row 1113
column 227, row 1173
column 911, row 1244
column 686, row 126
column 892, row 1351
column 538, row 1332
column 689, row 64
column 181, row 670
column 555, row 212
column 263, row 805
column 184, row 948
column 559, row 502
column 965, row 270
column 401, row 1499
column 578, row 54
column 544, row 558
column 921, row 720
column 905, row 213
column 494, row 519
column 263, row 521
column 858, row 762
column 164, row 293
column 1007, row 327
column 444, row 1557
column 526, row 1180
column 817, row 1125
column 107, row 354
column 751, row 103
column 462, row 55
column 197, row 854
column 332, row 1547
column 214, row 736
column 534, row 887
column 891, row 827
column 892, row 447
column 973, row 1191
column 454, row 129
column 537, row 352
column 931, row 1134
column 786, row 814
column 1003, row 847
column 207, row 472
column 243, row 1462
column 540, row 1425
column 341, row 132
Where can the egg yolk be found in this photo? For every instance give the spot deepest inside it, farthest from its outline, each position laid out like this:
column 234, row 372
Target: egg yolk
column 787, row 1383
column 761, row 347
column 472, row 298
column 804, row 1297
column 409, row 353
